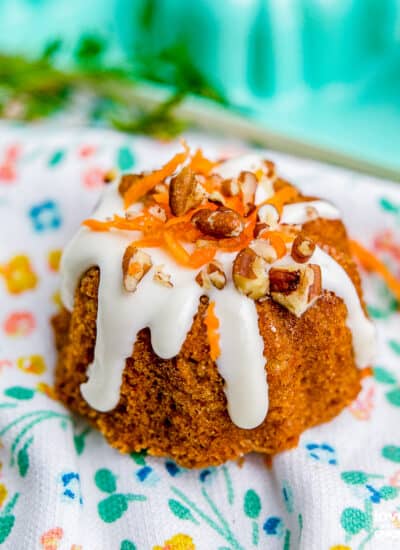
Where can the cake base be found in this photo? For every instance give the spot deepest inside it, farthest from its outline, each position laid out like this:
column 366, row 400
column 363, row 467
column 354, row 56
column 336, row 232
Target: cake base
column 177, row 407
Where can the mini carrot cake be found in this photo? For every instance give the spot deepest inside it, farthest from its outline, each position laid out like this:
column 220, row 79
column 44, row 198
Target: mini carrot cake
column 210, row 310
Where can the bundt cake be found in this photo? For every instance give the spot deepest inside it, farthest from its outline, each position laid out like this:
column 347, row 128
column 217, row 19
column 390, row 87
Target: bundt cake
column 210, row 310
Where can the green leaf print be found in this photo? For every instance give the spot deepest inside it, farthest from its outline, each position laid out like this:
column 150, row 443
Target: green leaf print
column 389, row 206
column 6, row 525
column 354, row 477
column 395, row 345
column 79, row 441
column 112, row 508
column 56, row 158
column 353, row 520
column 393, row 397
column 139, row 458
column 19, row 392
column 125, row 159
column 252, row 504
column 23, row 458
column 7, row 519
column 105, row 481
column 384, row 376
column 391, row 452
column 180, row 511
column 127, row 545
column 388, row 492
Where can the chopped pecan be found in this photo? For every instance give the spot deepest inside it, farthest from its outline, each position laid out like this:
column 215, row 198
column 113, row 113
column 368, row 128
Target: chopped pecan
column 296, row 288
column 269, row 215
column 230, row 187
column 249, row 274
column 248, row 185
column 284, row 279
column 185, row 192
column 135, row 264
column 262, row 248
column 212, row 274
column 161, row 277
column 221, row 223
column 302, row 249
column 127, row 180
column 158, row 212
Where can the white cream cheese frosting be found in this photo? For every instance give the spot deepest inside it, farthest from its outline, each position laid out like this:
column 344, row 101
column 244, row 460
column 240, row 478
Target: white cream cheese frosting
column 169, row 312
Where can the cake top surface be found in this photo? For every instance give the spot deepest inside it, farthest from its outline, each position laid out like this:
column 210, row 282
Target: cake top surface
column 229, row 230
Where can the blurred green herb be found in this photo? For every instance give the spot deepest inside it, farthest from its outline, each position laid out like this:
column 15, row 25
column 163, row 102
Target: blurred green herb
column 34, row 89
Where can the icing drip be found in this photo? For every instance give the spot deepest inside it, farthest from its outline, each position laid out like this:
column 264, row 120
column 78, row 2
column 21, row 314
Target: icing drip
column 169, row 312
column 297, row 213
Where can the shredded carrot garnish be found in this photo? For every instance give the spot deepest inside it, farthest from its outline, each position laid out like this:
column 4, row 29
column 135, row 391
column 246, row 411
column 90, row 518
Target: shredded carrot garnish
column 150, row 242
column 200, row 163
column 372, row 263
column 212, row 323
column 277, row 240
column 144, row 222
column 281, row 197
column 147, row 182
column 202, row 256
column 175, row 248
column 161, row 198
column 366, row 371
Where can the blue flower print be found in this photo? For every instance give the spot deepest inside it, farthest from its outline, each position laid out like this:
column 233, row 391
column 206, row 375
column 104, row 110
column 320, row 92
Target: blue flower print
column 147, row 476
column 273, row 526
column 45, row 216
column 70, row 485
column 322, row 452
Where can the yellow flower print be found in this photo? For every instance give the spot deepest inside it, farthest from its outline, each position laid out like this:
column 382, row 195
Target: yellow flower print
column 53, row 259
column 47, row 390
column 32, row 364
column 339, row 547
column 18, row 274
column 3, row 494
column 177, row 542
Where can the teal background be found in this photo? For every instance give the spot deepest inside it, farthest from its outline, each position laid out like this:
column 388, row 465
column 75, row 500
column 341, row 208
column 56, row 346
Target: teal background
column 327, row 71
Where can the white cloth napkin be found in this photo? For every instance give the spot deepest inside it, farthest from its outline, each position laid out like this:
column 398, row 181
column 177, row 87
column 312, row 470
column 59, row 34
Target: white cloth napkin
column 62, row 487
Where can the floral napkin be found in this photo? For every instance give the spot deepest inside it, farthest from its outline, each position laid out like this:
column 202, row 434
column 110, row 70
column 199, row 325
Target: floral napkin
column 63, row 488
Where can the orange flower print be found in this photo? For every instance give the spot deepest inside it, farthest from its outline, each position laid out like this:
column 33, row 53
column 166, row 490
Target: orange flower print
column 51, row 539
column 93, row 178
column 18, row 274
column 44, row 388
column 32, row 364
column 7, row 172
column 19, row 323
column 362, row 407
column 53, row 259
column 86, row 151
column 177, row 542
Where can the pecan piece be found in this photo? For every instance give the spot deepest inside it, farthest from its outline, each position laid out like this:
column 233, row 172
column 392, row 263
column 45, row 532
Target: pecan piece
column 248, row 185
column 249, row 274
column 302, row 249
column 135, row 264
column 161, row 277
column 269, row 215
column 185, row 192
column 262, row 248
column 296, row 288
column 127, row 180
column 212, row 274
column 284, row 280
column 230, row 187
column 221, row 223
